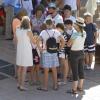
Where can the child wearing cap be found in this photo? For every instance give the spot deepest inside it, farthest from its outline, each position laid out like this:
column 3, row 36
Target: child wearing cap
column 77, row 56
column 90, row 42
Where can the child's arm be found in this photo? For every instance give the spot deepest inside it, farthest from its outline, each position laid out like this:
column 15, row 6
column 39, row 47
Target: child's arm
column 62, row 42
column 94, row 28
column 96, row 36
column 69, row 43
column 32, row 38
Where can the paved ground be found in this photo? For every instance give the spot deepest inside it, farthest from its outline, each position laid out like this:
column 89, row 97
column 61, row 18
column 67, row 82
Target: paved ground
column 8, row 90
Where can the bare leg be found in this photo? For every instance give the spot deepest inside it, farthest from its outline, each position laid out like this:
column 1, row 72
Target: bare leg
column 86, row 58
column 54, row 76
column 19, row 75
column 23, row 76
column 91, row 60
column 59, row 70
column 31, row 75
column 74, row 85
column 46, row 70
column 65, row 69
column 81, row 83
column 37, row 72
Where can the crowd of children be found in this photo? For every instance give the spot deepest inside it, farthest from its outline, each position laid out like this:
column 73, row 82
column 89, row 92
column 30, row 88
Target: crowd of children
column 52, row 39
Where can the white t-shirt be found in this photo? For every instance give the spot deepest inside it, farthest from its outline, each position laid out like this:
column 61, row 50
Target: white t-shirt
column 57, row 19
column 44, row 36
column 72, row 18
column 78, row 41
column 91, row 6
column 72, row 3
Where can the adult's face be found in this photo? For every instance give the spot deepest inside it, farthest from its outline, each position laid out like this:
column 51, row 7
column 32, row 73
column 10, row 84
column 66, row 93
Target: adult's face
column 51, row 10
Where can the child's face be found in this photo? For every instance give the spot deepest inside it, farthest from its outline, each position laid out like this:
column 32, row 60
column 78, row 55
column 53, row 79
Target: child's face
column 76, row 27
column 67, row 13
column 88, row 19
column 68, row 27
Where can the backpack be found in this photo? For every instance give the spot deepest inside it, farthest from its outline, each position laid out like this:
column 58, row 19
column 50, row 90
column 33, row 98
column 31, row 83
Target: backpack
column 51, row 44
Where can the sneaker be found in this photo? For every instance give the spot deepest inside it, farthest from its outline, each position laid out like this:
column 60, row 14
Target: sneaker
column 62, row 83
column 86, row 67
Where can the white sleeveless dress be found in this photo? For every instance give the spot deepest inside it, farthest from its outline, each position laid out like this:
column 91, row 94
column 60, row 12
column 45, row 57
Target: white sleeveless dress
column 24, row 49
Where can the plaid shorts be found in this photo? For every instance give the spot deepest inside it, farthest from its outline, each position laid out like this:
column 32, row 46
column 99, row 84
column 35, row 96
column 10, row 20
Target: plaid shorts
column 49, row 60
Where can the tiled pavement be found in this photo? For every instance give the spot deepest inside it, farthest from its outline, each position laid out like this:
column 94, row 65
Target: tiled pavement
column 8, row 90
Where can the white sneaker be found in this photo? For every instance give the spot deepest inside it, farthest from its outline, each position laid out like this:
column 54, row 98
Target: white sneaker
column 62, row 83
column 88, row 67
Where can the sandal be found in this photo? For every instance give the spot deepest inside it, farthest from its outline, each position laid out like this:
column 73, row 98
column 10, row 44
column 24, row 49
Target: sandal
column 22, row 89
column 55, row 88
column 72, row 91
column 79, row 89
column 42, row 89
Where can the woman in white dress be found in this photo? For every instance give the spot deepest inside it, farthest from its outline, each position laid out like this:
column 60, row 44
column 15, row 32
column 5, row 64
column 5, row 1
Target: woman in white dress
column 24, row 58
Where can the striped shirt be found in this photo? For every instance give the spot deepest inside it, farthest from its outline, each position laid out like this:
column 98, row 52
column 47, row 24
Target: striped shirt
column 66, row 36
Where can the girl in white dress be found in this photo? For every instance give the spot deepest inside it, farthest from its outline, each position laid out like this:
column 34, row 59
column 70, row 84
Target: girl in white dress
column 24, row 58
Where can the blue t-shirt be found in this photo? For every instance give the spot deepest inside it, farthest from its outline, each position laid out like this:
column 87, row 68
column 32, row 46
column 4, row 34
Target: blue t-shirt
column 90, row 30
column 10, row 2
column 14, row 3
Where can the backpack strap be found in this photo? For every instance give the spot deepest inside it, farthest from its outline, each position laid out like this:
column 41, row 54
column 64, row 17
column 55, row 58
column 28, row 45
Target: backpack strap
column 49, row 34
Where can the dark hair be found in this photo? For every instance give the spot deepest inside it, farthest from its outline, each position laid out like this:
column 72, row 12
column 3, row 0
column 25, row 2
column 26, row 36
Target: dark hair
column 25, row 24
column 68, row 22
column 67, row 7
column 49, row 22
column 39, row 8
column 60, row 25
column 81, row 29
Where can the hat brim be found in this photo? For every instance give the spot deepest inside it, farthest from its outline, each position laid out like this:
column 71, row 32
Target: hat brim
column 51, row 7
column 82, row 25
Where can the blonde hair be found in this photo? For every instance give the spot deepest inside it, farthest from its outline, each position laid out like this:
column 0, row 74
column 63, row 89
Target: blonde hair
column 25, row 23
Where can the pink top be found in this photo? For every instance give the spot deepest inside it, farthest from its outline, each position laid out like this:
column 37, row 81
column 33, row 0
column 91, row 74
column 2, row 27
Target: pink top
column 16, row 23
